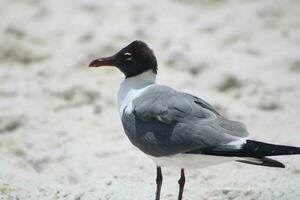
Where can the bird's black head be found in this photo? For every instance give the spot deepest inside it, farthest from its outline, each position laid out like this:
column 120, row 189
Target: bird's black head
column 132, row 60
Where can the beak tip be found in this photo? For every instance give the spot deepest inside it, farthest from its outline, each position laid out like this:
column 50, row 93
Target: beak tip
column 94, row 63
column 91, row 64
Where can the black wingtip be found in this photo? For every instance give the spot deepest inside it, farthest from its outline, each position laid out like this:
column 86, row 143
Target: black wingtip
column 260, row 149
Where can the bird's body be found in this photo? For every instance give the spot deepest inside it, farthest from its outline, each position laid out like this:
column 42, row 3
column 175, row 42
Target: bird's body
column 133, row 90
column 178, row 129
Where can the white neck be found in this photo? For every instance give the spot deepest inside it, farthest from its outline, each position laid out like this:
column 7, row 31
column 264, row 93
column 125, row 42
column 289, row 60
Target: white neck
column 132, row 87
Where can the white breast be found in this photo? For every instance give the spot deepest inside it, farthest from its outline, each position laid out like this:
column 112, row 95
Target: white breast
column 125, row 103
column 132, row 88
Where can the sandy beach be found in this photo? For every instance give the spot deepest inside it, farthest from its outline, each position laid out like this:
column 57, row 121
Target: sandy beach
column 60, row 132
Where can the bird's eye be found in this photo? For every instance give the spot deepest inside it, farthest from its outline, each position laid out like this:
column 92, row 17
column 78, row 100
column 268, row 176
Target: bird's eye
column 127, row 56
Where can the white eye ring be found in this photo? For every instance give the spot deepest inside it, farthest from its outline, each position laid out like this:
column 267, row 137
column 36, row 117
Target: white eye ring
column 127, row 56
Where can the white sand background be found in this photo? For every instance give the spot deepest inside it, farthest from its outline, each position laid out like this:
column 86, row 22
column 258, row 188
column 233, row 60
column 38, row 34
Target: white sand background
column 60, row 133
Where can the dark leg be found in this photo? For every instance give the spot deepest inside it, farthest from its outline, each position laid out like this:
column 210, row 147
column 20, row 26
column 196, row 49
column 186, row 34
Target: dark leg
column 181, row 182
column 159, row 179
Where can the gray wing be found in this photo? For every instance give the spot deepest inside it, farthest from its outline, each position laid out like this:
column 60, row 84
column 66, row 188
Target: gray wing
column 166, row 122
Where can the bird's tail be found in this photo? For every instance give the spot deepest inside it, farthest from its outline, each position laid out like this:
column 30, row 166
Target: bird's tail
column 254, row 152
column 259, row 151
column 267, row 162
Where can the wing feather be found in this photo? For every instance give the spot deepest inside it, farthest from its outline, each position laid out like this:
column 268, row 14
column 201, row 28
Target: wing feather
column 168, row 122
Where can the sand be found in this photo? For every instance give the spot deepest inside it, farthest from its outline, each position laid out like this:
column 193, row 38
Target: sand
column 60, row 133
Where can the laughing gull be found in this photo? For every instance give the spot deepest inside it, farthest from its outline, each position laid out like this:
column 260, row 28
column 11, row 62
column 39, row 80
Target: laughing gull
column 178, row 129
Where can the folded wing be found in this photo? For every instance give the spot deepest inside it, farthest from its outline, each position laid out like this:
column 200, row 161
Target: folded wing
column 166, row 122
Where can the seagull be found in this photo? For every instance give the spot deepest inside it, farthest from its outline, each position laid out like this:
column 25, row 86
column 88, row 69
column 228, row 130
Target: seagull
column 178, row 129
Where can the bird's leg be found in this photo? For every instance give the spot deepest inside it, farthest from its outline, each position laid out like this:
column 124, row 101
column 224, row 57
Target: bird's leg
column 159, row 179
column 181, row 182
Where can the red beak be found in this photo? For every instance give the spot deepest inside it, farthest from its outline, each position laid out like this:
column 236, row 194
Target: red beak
column 108, row 61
